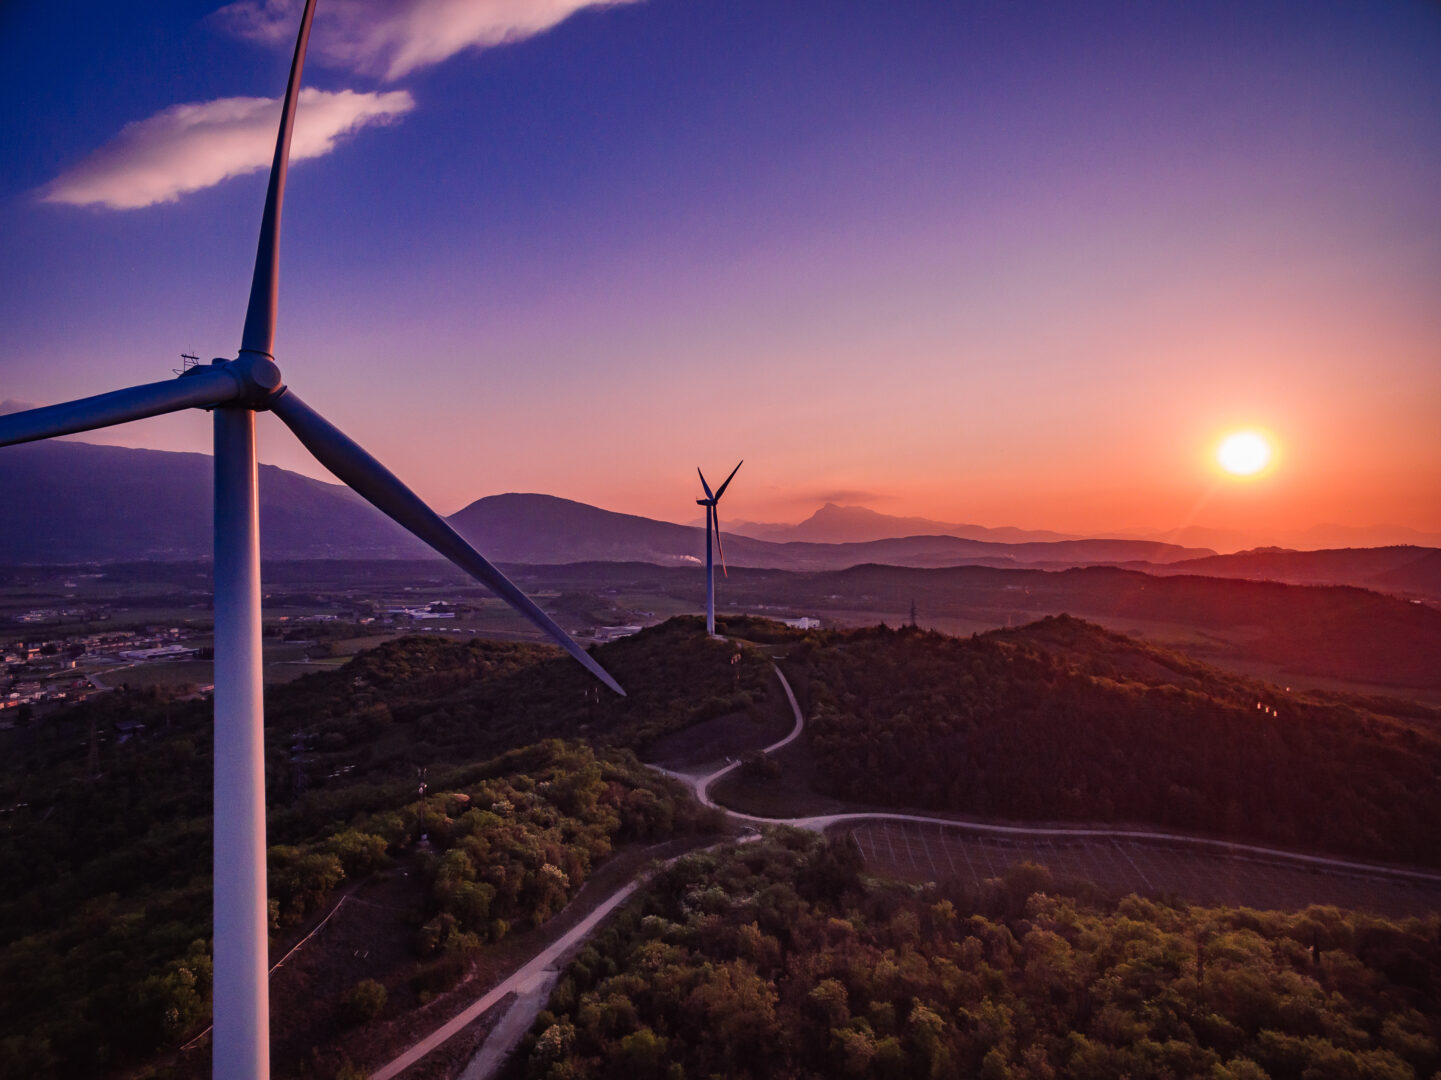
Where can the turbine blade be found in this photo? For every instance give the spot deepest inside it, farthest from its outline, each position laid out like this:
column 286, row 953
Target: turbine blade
column 703, row 484
column 729, row 478
column 721, row 548
column 379, row 487
column 259, row 333
column 201, row 388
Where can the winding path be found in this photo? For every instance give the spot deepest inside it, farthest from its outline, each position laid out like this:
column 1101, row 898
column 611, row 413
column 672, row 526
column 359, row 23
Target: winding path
column 533, row 975
column 522, row 981
column 820, row 822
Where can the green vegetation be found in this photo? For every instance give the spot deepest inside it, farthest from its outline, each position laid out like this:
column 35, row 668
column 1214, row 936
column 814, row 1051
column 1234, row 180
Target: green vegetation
column 1062, row 720
column 366, row 1001
column 105, row 847
column 119, row 976
column 777, row 960
column 773, row 960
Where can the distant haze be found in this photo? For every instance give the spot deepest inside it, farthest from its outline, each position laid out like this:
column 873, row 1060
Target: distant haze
column 73, row 502
column 839, row 524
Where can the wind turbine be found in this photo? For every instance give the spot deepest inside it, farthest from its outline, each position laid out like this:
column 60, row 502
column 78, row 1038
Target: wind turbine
column 236, row 390
column 712, row 523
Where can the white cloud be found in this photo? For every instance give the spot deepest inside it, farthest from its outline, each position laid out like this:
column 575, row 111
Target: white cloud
column 189, row 147
column 392, row 38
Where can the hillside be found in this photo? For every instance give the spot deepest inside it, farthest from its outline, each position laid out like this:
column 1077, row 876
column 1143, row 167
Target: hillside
column 1408, row 570
column 104, row 860
column 776, row 959
column 545, row 529
column 1340, row 632
column 1062, row 720
column 78, row 502
column 1421, row 577
column 1329, row 632
column 105, row 865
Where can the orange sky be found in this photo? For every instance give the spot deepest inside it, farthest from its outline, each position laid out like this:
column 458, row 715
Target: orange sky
column 992, row 268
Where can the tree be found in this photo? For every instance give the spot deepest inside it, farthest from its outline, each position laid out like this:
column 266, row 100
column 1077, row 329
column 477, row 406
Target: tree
column 365, row 1001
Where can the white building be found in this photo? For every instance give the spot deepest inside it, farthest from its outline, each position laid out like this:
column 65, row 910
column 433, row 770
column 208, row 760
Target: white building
column 162, row 652
column 805, row 622
column 610, row 633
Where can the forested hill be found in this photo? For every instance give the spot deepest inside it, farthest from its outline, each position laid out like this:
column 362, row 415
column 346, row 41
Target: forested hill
column 105, row 841
column 1396, row 569
column 1062, row 720
column 1336, row 631
column 337, row 743
column 776, row 959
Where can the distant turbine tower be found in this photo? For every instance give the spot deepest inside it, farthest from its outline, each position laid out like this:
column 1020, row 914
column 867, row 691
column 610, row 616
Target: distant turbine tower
column 236, row 390
column 712, row 523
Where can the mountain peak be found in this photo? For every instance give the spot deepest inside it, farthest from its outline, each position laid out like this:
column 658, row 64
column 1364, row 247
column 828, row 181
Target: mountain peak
column 840, row 512
column 836, row 523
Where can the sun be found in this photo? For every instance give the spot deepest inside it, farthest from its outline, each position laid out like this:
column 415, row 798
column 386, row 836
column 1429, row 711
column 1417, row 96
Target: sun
column 1244, row 453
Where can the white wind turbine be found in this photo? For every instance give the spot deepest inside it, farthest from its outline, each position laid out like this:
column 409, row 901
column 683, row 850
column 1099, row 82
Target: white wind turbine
column 236, row 390
column 712, row 525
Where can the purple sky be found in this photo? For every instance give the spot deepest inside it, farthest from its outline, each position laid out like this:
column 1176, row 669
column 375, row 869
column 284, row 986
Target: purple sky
column 1009, row 264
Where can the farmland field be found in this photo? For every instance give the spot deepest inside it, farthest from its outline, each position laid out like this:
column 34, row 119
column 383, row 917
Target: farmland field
column 918, row 852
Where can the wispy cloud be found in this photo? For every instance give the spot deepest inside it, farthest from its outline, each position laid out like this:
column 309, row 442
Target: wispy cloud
column 189, row 147
column 392, row 38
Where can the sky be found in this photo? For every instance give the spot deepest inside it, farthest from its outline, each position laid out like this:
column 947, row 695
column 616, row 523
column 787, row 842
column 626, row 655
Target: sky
column 1008, row 264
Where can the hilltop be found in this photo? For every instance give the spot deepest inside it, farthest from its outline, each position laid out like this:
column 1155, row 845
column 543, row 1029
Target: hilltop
column 1405, row 569
column 1063, row 720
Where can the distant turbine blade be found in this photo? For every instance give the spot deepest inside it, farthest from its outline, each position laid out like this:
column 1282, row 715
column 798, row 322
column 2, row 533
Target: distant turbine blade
column 703, row 484
column 378, row 486
column 203, row 388
column 259, row 333
column 729, row 478
column 721, row 548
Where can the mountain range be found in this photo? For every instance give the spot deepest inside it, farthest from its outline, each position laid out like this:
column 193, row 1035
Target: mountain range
column 1404, row 569
column 72, row 502
column 546, row 529
column 82, row 502
column 835, row 524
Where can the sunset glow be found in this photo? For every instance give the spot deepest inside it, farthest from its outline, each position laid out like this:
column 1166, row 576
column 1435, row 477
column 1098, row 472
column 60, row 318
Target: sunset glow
column 1244, row 453
column 861, row 245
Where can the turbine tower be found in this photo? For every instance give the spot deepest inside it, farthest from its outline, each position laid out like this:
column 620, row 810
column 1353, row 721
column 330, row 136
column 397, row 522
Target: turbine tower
column 236, row 390
column 712, row 524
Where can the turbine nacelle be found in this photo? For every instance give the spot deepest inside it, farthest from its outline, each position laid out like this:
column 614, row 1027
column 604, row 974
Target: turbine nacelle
column 257, row 378
column 260, row 376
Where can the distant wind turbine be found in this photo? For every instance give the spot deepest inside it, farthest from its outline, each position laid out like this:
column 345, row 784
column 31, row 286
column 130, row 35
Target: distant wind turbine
column 712, row 524
column 236, row 390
